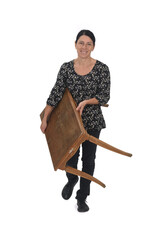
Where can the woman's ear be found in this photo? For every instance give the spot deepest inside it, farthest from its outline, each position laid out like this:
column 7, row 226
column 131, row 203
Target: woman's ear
column 93, row 47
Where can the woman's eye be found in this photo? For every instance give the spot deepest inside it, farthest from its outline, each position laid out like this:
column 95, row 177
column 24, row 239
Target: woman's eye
column 82, row 43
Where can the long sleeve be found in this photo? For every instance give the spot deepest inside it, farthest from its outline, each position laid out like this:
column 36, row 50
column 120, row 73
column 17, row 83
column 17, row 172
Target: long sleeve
column 59, row 87
column 103, row 90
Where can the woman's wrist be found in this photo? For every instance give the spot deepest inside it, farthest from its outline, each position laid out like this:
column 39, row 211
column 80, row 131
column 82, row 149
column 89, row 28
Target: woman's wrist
column 45, row 118
column 91, row 101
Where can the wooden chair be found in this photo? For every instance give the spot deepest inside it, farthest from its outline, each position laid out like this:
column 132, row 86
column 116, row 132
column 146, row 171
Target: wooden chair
column 65, row 133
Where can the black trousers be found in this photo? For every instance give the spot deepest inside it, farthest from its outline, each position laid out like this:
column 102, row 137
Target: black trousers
column 88, row 165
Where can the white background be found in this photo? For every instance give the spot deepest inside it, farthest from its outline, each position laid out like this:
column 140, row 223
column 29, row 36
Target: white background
column 36, row 38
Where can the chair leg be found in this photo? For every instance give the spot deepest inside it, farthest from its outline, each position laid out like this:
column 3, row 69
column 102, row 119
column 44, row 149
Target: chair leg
column 84, row 175
column 107, row 146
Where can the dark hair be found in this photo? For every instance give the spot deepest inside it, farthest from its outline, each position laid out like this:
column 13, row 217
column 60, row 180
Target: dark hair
column 87, row 33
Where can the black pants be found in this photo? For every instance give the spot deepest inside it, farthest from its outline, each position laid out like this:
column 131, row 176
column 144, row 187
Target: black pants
column 88, row 165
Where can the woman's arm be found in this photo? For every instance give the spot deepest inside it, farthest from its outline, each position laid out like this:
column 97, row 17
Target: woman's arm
column 55, row 95
column 47, row 112
column 103, row 91
column 86, row 102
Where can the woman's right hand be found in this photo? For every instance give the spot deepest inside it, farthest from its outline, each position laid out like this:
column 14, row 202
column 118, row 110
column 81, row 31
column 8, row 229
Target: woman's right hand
column 47, row 112
column 43, row 126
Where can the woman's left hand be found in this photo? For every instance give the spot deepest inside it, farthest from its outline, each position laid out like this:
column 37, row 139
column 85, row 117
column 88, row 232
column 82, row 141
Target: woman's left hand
column 81, row 106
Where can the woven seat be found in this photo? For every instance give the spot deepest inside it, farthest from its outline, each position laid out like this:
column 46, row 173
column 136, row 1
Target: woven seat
column 65, row 133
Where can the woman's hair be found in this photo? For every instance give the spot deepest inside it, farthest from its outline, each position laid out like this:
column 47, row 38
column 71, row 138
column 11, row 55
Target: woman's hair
column 87, row 33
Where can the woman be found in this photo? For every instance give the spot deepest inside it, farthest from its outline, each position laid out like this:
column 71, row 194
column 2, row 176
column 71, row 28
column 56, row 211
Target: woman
column 88, row 80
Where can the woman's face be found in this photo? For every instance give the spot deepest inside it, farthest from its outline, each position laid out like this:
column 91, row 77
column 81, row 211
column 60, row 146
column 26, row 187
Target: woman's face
column 84, row 46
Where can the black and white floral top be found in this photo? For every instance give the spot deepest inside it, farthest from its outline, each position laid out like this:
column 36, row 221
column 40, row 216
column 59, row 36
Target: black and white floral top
column 95, row 84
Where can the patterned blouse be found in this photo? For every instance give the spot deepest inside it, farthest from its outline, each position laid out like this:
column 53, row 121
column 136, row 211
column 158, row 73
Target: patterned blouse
column 95, row 84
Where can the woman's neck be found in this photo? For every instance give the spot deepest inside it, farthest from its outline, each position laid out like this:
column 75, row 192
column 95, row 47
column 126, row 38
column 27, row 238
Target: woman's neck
column 84, row 61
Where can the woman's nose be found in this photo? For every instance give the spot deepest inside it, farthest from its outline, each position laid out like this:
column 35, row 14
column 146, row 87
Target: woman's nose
column 84, row 46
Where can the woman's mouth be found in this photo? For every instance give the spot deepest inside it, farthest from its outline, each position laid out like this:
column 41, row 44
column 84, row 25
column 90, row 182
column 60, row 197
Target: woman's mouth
column 84, row 52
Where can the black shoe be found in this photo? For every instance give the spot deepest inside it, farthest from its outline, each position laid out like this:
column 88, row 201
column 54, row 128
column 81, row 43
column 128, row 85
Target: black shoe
column 82, row 206
column 68, row 189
